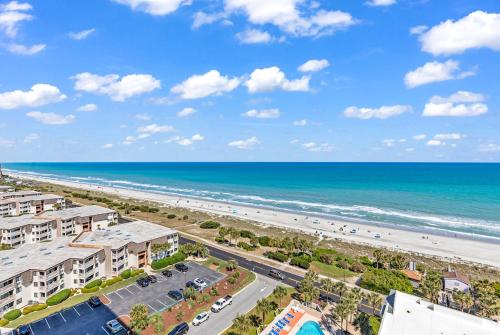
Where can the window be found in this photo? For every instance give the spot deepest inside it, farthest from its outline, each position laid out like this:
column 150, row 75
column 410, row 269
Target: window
column 35, row 295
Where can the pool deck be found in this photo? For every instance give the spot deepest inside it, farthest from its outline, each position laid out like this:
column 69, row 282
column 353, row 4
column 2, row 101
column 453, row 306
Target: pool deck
column 301, row 315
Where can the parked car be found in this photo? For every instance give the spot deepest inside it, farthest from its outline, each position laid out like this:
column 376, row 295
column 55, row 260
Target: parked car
column 24, row 330
column 276, row 274
column 180, row 329
column 152, row 279
column 114, row 326
column 200, row 318
column 176, row 295
column 95, row 301
column 142, row 282
column 222, row 303
column 181, row 267
column 201, row 283
column 167, row 273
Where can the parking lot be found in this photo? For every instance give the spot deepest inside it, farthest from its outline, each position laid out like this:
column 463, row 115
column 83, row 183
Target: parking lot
column 85, row 320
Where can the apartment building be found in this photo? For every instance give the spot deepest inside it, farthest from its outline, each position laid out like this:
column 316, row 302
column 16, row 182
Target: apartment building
column 30, row 204
column 33, row 272
column 77, row 220
column 4, row 188
column 18, row 230
column 18, row 194
column 130, row 244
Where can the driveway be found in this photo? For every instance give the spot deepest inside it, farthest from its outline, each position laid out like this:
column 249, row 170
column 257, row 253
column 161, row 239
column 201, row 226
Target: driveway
column 243, row 302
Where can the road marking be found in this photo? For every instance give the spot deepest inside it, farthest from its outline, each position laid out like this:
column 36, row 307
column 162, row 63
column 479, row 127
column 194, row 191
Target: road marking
column 128, row 290
column 118, row 294
column 263, row 289
column 102, row 327
column 62, row 317
column 88, row 305
column 47, row 323
column 76, row 311
column 152, row 308
column 31, row 329
column 161, row 303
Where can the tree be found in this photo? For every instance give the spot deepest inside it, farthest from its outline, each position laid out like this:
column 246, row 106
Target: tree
column 232, row 265
column 431, row 286
column 264, row 306
column 223, row 232
column 307, row 287
column 379, row 256
column 189, row 293
column 241, row 323
column 340, row 288
column 156, row 321
column 374, row 300
column 398, row 262
column 327, row 285
column 139, row 317
column 180, row 315
column 342, row 311
column 279, row 293
column 233, row 234
column 201, row 250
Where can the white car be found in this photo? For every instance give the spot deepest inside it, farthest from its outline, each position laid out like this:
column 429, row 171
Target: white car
column 200, row 282
column 114, row 326
column 200, row 318
column 221, row 303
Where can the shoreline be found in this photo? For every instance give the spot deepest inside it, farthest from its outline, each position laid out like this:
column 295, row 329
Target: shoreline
column 452, row 248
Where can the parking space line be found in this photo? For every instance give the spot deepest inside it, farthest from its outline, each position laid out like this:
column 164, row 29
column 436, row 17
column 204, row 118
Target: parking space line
column 47, row 323
column 88, row 305
column 154, row 309
column 102, row 327
column 118, row 294
column 76, row 311
column 161, row 303
column 126, row 287
column 62, row 317
column 29, row 325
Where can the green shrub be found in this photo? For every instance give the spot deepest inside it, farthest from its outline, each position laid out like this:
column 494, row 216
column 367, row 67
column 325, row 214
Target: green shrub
column 220, row 240
column 357, row 267
column 4, row 322
column 246, row 246
column 171, row 260
column 210, row 225
column 383, row 281
column 374, row 324
column 365, row 261
column 247, row 234
column 301, row 262
column 12, row 314
column 59, row 297
column 136, row 272
column 326, row 259
column 33, row 308
column 126, row 274
column 231, row 280
column 112, row 281
column 171, row 216
column 264, row 241
column 277, row 256
column 343, row 264
column 93, row 283
column 92, row 289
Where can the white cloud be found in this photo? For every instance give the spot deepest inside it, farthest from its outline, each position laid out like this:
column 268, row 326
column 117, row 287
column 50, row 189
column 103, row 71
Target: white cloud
column 380, row 3
column 461, row 103
column 51, row 118
column 154, row 129
column 117, row 89
column 318, row 147
column 489, row 147
column 248, row 143
column 449, row 136
column 81, row 35
column 155, row 7
column 6, row 143
column 131, row 139
column 31, row 138
column 435, row 143
column 418, row 30
column 383, row 112
column 107, row 146
column 435, row 72
column 254, row 36
column 410, row 149
column 389, row 142
column 12, row 14
column 300, row 123
column 200, row 86
column 186, row 141
column 272, row 113
column 202, row 18
column 38, row 95
column 420, row 137
column 186, row 112
column 272, row 78
column 88, row 108
column 294, row 141
column 25, row 50
column 143, row 117
column 440, row 140
column 476, row 30
column 314, row 65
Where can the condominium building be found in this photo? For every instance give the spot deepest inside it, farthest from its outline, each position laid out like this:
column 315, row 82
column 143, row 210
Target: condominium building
column 406, row 314
column 4, row 188
column 30, row 204
column 130, row 244
column 18, row 230
column 18, row 194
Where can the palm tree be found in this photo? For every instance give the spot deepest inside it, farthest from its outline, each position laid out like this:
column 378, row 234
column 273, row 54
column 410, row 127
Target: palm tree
column 431, row 286
column 201, row 250
column 340, row 288
column 233, row 234
column 279, row 293
column 327, row 285
column 223, row 231
column 156, row 320
column 342, row 312
column 374, row 300
column 232, row 265
column 264, row 306
column 241, row 323
column 467, row 302
column 379, row 256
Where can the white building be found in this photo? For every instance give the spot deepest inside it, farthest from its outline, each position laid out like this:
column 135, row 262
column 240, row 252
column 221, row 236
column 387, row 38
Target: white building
column 30, row 204
column 4, row 188
column 406, row 314
column 18, row 230
column 454, row 281
column 18, row 194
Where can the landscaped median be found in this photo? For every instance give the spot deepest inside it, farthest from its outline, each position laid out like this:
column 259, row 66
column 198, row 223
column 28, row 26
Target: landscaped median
column 67, row 298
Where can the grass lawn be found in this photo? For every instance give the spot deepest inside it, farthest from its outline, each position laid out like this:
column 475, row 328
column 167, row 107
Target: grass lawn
column 269, row 317
column 331, row 270
column 71, row 301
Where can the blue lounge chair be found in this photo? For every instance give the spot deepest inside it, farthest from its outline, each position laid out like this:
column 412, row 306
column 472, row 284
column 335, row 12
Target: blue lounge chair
column 280, row 324
column 274, row 332
column 285, row 321
column 291, row 316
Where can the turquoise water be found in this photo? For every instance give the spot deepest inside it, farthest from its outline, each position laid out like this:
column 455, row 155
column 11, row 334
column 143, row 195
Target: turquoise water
column 444, row 198
column 310, row 328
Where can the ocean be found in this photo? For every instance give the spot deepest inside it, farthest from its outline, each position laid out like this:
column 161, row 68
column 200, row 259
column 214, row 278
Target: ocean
column 453, row 198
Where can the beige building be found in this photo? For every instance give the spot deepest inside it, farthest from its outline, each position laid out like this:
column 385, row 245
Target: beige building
column 30, row 204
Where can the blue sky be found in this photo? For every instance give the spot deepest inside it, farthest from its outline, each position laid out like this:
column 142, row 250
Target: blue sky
column 250, row 80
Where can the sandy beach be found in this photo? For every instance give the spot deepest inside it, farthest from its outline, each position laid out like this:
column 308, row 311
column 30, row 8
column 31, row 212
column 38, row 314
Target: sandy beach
column 452, row 248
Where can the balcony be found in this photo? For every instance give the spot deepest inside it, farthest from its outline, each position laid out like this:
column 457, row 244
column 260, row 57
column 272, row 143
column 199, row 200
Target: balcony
column 7, row 287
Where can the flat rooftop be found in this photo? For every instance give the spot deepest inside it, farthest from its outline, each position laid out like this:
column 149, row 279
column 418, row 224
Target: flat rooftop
column 73, row 212
column 39, row 197
column 40, row 256
column 18, row 194
column 20, row 221
column 406, row 314
column 122, row 234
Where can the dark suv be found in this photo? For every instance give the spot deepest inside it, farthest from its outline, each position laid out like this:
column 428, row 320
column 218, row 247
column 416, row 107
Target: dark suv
column 180, row 329
column 167, row 273
column 95, row 301
column 181, row 267
column 276, row 274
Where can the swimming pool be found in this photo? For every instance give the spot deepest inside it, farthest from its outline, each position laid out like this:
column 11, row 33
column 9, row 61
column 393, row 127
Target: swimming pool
column 310, row 328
